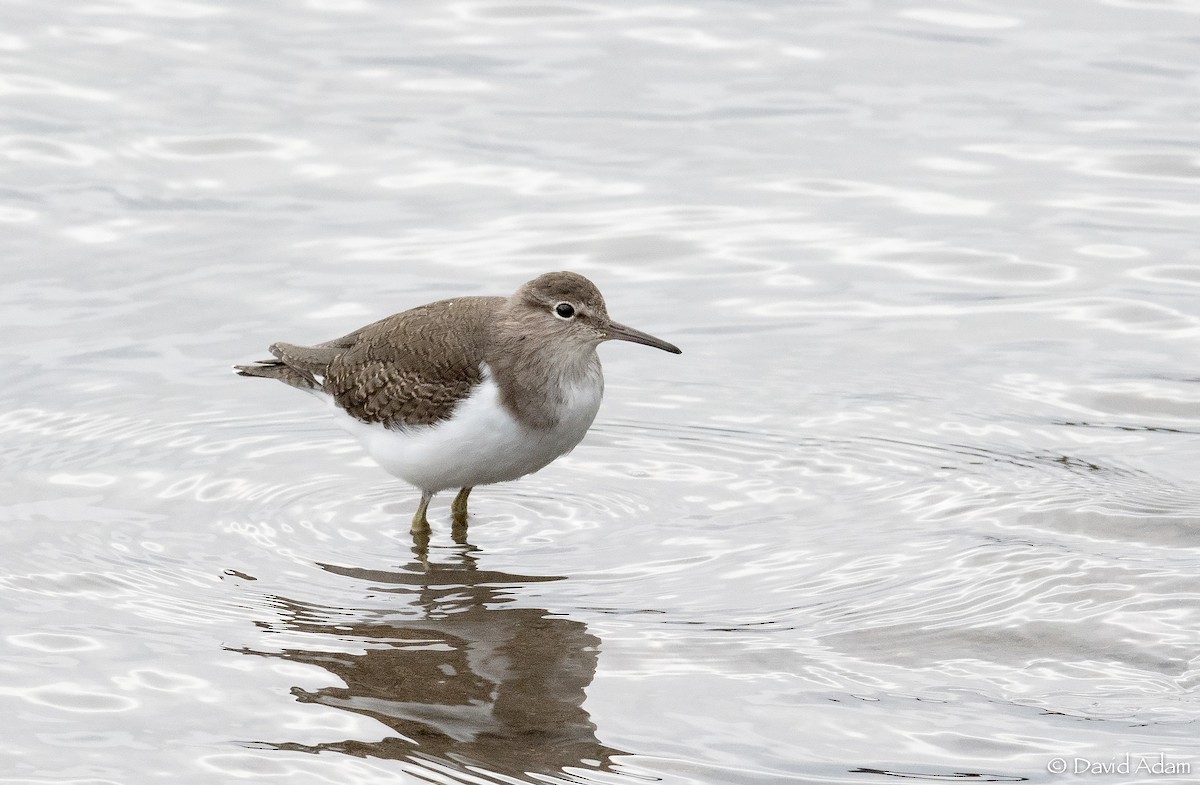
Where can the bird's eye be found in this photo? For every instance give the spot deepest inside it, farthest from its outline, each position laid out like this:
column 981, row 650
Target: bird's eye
column 564, row 310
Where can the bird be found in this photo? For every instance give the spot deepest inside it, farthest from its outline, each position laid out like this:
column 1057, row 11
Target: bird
column 467, row 391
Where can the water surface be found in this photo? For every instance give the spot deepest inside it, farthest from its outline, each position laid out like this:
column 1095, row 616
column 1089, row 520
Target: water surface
column 917, row 503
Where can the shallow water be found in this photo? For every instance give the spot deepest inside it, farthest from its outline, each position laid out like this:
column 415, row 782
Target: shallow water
column 916, row 503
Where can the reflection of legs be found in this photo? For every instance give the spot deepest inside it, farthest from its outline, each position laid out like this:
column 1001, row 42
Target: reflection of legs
column 420, row 523
column 459, row 507
column 420, row 549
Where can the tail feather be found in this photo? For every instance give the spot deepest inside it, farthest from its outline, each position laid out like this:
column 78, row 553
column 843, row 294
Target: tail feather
column 281, row 371
column 306, row 359
column 298, row 366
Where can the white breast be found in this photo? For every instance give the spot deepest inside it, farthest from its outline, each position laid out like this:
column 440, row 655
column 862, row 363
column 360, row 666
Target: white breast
column 482, row 442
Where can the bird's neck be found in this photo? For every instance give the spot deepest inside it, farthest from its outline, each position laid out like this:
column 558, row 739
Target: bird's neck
column 539, row 382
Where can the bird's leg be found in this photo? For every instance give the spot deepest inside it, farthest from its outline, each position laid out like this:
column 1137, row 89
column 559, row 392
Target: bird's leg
column 420, row 523
column 459, row 507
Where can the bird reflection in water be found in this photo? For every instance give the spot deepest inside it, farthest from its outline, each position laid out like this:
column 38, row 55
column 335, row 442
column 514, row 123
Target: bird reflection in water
column 465, row 678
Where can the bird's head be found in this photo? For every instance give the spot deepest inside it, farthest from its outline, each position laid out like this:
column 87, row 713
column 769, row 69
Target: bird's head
column 568, row 309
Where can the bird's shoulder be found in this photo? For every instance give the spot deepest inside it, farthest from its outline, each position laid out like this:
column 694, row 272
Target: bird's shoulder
column 413, row 367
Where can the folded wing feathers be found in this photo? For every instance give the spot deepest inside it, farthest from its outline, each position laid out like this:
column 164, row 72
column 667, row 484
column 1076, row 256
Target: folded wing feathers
column 406, row 370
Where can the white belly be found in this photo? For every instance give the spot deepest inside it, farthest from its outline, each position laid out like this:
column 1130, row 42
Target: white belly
column 482, row 443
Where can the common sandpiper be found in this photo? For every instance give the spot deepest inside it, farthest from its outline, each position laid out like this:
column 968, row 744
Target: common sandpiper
column 468, row 391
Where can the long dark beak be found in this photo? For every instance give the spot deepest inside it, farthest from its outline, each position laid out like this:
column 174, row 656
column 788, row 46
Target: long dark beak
column 619, row 332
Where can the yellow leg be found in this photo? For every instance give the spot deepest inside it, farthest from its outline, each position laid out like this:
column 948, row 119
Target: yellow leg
column 459, row 507
column 420, row 523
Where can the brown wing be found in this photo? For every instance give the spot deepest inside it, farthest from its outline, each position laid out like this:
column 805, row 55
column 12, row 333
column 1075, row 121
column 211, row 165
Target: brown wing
column 411, row 368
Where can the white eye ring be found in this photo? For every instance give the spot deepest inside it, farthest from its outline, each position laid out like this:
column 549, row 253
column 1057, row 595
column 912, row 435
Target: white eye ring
column 564, row 311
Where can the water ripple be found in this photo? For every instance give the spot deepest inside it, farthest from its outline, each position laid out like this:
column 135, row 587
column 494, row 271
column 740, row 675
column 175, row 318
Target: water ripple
column 922, row 484
column 205, row 147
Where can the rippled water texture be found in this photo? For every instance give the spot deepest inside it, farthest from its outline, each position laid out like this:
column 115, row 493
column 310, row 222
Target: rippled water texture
column 918, row 502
